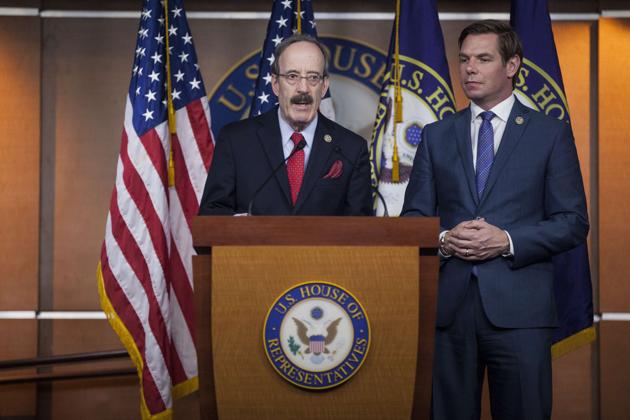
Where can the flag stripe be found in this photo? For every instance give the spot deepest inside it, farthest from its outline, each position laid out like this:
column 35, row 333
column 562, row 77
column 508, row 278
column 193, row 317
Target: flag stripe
column 153, row 144
column 180, row 230
column 139, row 302
column 181, row 286
column 189, row 171
column 120, row 303
column 124, row 311
column 198, row 118
column 183, row 185
column 143, row 218
column 133, row 257
column 184, row 341
column 151, row 259
column 146, row 178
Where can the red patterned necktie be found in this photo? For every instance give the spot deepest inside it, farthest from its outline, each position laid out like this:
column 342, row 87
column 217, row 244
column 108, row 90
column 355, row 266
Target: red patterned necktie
column 295, row 168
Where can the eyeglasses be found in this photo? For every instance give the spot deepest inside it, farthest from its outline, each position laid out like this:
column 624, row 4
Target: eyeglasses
column 294, row 78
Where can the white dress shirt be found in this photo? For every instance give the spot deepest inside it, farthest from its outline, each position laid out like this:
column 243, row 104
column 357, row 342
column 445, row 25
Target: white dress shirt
column 502, row 113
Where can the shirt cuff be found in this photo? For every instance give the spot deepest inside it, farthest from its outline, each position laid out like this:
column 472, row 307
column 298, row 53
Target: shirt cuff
column 440, row 253
column 511, row 252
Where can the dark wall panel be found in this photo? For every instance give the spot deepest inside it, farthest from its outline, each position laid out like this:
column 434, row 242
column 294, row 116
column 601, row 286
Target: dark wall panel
column 87, row 68
column 614, row 161
column 101, row 399
column 19, row 341
column 19, row 171
column 615, row 369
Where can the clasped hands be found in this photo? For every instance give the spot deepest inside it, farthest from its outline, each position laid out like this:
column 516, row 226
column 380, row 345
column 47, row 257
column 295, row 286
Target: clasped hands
column 475, row 240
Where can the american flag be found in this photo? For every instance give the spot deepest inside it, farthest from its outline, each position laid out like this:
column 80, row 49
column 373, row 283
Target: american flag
column 282, row 24
column 145, row 270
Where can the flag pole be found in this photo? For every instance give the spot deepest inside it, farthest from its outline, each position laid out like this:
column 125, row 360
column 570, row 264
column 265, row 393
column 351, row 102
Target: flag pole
column 172, row 126
column 299, row 16
column 398, row 102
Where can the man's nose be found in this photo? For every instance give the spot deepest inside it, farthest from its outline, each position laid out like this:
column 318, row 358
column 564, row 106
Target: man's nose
column 302, row 85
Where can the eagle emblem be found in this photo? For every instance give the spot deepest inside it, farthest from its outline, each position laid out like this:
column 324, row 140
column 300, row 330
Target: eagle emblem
column 316, row 335
column 313, row 336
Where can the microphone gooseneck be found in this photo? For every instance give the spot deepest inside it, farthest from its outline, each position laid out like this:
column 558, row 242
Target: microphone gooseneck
column 301, row 145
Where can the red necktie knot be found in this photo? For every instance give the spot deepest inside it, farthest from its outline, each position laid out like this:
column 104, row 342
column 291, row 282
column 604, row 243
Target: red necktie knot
column 296, row 138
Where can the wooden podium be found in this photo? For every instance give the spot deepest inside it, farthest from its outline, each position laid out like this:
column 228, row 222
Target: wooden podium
column 389, row 264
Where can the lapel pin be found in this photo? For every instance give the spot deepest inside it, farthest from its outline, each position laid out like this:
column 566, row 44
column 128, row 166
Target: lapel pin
column 327, row 138
column 519, row 120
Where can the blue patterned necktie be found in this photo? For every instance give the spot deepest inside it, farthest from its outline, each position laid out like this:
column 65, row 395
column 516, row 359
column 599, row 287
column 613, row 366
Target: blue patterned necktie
column 485, row 151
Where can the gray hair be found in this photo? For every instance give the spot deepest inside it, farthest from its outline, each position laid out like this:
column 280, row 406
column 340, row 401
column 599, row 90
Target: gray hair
column 287, row 42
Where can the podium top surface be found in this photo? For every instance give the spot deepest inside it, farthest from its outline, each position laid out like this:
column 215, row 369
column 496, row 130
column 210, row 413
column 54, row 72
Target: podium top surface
column 211, row 231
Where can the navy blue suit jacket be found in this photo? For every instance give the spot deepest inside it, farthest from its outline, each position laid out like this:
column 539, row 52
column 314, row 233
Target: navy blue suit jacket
column 534, row 191
column 247, row 151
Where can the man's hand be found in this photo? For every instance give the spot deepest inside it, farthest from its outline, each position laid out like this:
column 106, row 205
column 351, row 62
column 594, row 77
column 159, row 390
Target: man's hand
column 476, row 240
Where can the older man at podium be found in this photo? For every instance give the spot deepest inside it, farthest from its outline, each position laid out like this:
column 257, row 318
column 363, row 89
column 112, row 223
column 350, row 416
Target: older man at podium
column 291, row 160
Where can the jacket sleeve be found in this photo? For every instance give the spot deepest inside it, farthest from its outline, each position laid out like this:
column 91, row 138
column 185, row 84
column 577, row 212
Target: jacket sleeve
column 566, row 221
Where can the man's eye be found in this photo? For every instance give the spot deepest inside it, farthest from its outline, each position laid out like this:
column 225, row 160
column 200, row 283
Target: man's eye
column 313, row 78
column 293, row 77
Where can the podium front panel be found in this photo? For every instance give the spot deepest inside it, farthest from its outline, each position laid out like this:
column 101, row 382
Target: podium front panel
column 245, row 283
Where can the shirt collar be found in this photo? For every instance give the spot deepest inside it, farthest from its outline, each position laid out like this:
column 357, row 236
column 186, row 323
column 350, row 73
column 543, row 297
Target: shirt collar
column 501, row 110
column 286, row 131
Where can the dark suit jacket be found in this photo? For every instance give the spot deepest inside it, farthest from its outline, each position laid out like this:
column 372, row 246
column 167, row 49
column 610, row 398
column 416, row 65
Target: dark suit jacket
column 247, row 152
column 534, row 191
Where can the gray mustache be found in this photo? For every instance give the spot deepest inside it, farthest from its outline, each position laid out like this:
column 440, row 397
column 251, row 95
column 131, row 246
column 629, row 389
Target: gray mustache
column 302, row 99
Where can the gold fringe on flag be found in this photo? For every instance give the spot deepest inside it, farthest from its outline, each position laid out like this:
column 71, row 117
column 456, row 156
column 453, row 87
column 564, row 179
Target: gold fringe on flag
column 572, row 342
column 128, row 342
column 172, row 126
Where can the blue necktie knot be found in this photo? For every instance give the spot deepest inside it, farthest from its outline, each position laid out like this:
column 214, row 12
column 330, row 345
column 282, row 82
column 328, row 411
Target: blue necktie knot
column 487, row 115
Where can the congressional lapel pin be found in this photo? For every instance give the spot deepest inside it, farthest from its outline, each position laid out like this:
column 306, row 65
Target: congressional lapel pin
column 519, row 120
column 327, row 138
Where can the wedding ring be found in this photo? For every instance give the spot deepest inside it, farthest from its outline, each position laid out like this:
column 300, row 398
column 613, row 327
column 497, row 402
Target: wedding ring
column 466, row 253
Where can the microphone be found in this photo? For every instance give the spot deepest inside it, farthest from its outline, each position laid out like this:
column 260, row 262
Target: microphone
column 301, row 145
column 374, row 188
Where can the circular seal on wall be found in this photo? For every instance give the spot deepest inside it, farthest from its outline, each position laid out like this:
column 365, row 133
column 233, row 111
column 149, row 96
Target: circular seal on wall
column 538, row 90
column 316, row 335
column 426, row 97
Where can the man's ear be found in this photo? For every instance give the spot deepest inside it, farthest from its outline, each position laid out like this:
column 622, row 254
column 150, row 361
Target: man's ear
column 513, row 65
column 326, row 83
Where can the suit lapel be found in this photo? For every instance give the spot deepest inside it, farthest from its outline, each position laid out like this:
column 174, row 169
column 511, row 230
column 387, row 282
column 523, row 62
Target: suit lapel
column 515, row 126
column 464, row 144
column 316, row 160
column 271, row 140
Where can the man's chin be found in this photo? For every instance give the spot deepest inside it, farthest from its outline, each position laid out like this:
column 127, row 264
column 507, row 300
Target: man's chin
column 301, row 119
